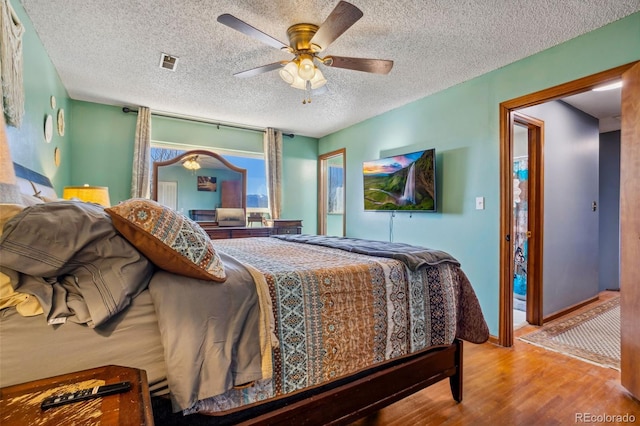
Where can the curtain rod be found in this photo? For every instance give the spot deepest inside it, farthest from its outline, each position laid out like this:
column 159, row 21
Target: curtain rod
column 127, row 110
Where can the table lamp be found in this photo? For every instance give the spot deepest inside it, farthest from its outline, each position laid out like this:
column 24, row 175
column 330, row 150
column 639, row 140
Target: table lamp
column 89, row 194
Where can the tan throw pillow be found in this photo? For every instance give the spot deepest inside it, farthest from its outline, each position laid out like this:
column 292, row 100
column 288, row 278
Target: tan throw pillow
column 170, row 240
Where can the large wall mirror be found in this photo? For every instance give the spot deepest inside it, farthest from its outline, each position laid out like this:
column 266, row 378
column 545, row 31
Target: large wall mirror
column 197, row 182
column 331, row 193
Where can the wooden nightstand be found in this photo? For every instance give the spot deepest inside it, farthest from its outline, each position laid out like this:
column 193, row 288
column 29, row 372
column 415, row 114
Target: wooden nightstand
column 20, row 404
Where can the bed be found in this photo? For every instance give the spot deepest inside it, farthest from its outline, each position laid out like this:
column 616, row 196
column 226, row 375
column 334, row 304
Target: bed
column 291, row 329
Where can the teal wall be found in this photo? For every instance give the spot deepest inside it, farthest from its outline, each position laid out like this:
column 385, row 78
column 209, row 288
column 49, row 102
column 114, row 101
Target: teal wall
column 461, row 123
column 300, row 177
column 190, row 133
column 102, row 148
column 41, row 81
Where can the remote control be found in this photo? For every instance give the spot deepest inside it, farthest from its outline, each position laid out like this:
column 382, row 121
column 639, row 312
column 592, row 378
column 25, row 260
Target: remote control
column 84, row 394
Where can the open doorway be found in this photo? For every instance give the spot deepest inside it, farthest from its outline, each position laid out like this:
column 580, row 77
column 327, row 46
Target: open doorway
column 507, row 251
column 527, row 233
column 331, row 193
column 629, row 204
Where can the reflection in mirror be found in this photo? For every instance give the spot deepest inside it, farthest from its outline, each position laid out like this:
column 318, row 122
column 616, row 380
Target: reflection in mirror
column 331, row 194
column 197, row 182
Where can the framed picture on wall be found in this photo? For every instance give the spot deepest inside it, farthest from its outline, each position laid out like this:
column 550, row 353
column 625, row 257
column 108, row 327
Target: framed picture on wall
column 207, row 183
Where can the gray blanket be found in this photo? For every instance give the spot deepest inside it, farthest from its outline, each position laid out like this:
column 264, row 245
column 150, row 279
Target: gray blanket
column 413, row 256
column 70, row 257
column 209, row 331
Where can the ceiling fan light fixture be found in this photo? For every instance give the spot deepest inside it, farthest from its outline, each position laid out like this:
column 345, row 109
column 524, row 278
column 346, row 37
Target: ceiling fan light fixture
column 191, row 163
column 306, row 69
column 299, row 83
column 289, row 72
column 318, row 80
column 306, row 41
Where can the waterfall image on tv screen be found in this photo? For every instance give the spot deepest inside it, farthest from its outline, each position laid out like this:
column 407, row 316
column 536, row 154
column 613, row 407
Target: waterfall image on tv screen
column 401, row 182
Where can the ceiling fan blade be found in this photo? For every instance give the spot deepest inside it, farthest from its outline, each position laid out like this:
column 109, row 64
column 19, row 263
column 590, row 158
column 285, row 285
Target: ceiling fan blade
column 376, row 66
column 343, row 16
column 238, row 25
column 260, row 70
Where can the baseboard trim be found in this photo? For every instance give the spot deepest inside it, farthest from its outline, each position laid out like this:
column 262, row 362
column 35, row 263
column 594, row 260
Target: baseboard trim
column 569, row 309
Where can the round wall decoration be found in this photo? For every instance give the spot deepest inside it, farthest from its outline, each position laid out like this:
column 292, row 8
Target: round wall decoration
column 48, row 128
column 53, row 102
column 61, row 122
column 56, row 156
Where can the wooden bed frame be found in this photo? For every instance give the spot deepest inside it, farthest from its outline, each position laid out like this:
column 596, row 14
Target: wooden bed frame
column 343, row 401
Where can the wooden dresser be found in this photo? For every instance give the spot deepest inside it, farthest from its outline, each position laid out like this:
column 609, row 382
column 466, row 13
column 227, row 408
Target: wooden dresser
column 279, row 227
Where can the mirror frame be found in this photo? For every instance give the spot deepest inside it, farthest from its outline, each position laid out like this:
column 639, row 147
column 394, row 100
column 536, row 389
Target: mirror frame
column 203, row 152
column 322, row 190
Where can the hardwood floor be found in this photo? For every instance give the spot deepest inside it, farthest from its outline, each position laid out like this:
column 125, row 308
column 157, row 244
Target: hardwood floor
column 521, row 385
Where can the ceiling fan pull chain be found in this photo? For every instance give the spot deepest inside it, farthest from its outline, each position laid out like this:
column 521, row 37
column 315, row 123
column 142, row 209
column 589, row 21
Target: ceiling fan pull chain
column 307, row 90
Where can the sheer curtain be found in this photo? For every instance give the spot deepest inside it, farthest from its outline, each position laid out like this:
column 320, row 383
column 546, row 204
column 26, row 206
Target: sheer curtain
column 141, row 154
column 273, row 154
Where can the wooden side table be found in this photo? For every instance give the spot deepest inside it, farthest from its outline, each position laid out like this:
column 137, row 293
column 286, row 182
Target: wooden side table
column 20, row 404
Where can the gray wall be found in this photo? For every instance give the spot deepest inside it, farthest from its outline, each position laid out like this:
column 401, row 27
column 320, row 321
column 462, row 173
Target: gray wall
column 571, row 143
column 609, row 226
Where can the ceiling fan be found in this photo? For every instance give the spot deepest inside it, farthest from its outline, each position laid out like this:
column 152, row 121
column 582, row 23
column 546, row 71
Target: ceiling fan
column 306, row 41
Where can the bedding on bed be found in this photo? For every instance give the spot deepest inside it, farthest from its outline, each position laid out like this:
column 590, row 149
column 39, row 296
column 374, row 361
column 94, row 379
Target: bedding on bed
column 210, row 332
column 89, row 280
column 338, row 312
column 69, row 255
column 289, row 315
column 30, row 349
column 413, row 256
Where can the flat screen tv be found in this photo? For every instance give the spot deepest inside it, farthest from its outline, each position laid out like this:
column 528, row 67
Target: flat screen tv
column 401, row 182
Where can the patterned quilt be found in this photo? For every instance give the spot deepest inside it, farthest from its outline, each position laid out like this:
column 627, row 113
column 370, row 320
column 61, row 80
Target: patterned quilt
column 338, row 312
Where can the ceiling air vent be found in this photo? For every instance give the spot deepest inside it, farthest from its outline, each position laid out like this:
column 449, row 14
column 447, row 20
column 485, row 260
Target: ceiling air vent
column 168, row 62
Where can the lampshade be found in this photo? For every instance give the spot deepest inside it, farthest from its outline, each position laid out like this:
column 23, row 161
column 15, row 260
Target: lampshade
column 89, row 194
column 289, row 72
column 306, row 69
column 299, row 83
column 318, row 80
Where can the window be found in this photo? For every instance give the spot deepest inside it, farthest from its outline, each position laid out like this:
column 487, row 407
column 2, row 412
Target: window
column 335, row 198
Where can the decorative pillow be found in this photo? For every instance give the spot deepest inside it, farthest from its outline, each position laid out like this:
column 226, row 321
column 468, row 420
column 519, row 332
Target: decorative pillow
column 172, row 241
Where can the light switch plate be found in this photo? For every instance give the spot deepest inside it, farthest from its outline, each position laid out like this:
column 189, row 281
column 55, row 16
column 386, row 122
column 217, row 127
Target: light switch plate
column 479, row 203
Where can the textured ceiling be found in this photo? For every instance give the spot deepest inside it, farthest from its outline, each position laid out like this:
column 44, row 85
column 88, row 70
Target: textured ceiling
column 109, row 52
